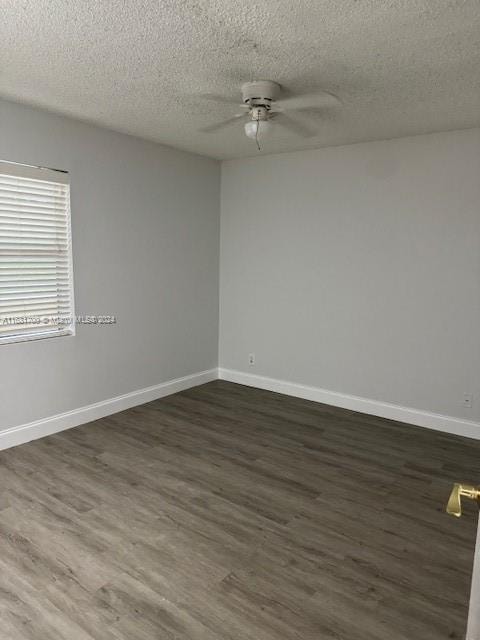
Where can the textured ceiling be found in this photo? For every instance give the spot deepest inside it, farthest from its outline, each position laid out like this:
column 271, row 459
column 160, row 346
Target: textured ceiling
column 400, row 67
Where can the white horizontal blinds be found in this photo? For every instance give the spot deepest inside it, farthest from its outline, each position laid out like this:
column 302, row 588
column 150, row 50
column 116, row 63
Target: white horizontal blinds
column 36, row 296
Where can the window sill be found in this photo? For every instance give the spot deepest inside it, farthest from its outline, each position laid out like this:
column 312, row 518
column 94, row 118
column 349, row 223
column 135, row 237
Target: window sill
column 41, row 335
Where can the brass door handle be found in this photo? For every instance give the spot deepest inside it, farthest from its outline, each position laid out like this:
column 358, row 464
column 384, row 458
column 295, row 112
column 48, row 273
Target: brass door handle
column 454, row 505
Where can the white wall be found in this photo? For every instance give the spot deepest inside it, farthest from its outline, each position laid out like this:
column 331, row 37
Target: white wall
column 357, row 269
column 145, row 249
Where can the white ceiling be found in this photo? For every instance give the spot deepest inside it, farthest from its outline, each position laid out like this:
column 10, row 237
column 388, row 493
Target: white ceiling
column 400, row 67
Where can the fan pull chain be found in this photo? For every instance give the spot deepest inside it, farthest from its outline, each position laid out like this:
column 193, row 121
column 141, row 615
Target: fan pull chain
column 256, row 135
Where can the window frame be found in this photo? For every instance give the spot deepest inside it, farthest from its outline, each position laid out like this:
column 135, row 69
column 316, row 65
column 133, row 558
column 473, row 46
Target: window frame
column 27, row 171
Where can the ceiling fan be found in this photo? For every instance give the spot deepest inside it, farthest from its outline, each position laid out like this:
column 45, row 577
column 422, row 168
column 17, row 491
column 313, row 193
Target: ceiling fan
column 262, row 105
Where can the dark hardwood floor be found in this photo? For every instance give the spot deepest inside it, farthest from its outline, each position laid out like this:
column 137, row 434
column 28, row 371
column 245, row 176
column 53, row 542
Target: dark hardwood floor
column 230, row 513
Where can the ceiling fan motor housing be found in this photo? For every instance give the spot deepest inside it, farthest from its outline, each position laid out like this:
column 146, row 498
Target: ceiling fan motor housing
column 260, row 93
column 259, row 113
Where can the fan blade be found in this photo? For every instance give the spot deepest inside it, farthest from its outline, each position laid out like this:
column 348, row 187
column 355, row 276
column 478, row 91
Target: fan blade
column 309, row 116
column 309, row 100
column 294, row 126
column 222, row 99
column 221, row 125
column 311, row 112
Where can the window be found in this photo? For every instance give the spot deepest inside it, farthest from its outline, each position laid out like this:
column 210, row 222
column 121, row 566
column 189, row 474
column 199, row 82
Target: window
column 36, row 292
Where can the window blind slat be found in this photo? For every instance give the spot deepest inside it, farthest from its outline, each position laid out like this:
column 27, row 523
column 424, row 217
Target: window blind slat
column 29, row 182
column 7, row 296
column 22, row 280
column 26, row 234
column 29, row 214
column 31, row 252
column 32, row 308
column 22, row 289
column 12, row 192
column 29, row 260
column 9, row 238
column 39, row 302
column 30, row 225
column 41, row 189
column 35, row 221
column 47, row 276
column 27, row 201
column 31, row 329
column 44, row 315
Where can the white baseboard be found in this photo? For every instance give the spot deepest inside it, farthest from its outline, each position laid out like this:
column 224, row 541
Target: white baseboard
column 417, row 417
column 47, row 426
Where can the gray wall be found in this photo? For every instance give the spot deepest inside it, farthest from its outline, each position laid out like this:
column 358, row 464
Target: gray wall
column 145, row 224
column 354, row 269
column 357, row 269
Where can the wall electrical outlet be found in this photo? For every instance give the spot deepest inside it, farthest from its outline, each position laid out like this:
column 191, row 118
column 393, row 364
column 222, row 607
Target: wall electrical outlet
column 467, row 400
column 251, row 359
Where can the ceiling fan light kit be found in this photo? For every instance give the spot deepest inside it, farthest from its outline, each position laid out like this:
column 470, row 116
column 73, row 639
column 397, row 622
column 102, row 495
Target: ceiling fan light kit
column 258, row 129
column 262, row 104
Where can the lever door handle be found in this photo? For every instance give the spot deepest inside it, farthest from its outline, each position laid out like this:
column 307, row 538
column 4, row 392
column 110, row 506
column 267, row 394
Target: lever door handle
column 454, row 505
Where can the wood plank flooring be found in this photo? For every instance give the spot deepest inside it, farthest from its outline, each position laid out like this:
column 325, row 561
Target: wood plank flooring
column 230, row 513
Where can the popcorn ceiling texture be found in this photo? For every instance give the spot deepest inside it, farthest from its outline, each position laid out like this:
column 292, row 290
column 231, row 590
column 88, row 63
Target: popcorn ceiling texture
column 400, row 67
